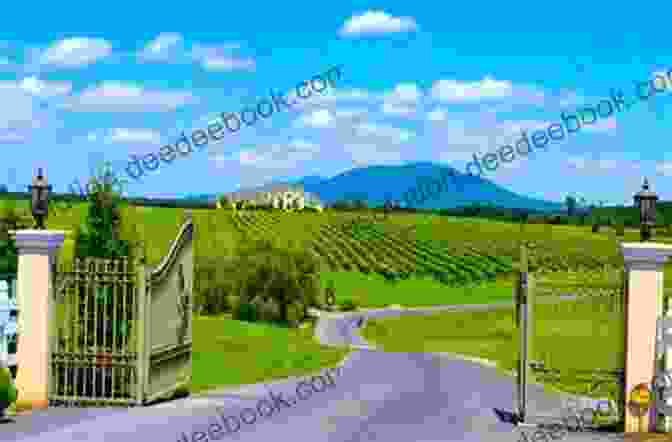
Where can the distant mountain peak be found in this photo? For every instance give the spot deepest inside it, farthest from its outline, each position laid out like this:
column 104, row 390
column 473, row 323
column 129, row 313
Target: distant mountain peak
column 378, row 183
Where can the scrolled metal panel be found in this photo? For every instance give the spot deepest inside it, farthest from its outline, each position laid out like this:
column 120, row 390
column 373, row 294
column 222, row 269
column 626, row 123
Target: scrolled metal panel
column 92, row 364
column 662, row 381
column 184, row 237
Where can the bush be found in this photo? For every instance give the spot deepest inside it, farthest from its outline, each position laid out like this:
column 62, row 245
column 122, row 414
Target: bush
column 233, row 301
column 8, row 391
column 620, row 230
column 284, row 275
column 245, row 311
column 348, row 305
column 213, row 301
column 269, row 311
column 295, row 314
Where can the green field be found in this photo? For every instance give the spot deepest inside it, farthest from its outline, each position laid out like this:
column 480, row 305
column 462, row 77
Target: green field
column 230, row 353
column 574, row 335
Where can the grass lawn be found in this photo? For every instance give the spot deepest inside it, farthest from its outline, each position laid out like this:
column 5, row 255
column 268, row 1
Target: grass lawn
column 227, row 352
column 574, row 335
column 373, row 291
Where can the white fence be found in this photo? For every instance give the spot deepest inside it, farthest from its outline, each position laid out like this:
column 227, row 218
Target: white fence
column 8, row 323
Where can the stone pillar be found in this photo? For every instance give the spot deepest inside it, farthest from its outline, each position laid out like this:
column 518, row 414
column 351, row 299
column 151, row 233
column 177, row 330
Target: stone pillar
column 37, row 253
column 643, row 305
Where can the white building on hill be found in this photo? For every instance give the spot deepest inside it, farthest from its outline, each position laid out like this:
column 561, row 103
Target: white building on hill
column 284, row 197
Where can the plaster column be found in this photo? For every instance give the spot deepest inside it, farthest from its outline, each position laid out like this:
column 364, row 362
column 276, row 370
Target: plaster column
column 37, row 252
column 643, row 305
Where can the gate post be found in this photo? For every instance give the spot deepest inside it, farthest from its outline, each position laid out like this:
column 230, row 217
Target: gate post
column 37, row 252
column 643, row 305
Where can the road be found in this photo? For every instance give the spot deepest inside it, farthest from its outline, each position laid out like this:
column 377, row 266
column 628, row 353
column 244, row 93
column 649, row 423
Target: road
column 375, row 396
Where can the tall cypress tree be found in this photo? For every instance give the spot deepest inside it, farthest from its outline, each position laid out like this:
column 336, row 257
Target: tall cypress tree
column 98, row 237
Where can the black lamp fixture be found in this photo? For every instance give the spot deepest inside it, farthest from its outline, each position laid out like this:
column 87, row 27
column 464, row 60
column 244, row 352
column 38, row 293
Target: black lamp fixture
column 645, row 200
column 40, row 198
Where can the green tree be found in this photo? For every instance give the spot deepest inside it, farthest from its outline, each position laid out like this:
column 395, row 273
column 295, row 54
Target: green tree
column 288, row 276
column 225, row 202
column 99, row 235
column 570, row 202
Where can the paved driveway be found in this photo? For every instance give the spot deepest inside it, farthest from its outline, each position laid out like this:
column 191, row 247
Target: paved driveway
column 376, row 396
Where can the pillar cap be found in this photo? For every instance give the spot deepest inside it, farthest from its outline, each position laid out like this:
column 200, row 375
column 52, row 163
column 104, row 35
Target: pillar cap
column 646, row 252
column 31, row 241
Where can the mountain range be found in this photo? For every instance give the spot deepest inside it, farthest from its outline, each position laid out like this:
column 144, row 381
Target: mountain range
column 376, row 184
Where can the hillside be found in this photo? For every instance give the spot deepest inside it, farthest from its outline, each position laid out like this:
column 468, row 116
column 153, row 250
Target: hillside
column 376, row 184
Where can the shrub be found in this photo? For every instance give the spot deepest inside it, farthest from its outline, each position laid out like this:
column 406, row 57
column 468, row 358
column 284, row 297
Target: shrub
column 620, row 230
column 285, row 275
column 8, row 391
column 233, row 301
column 295, row 314
column 9, row 258
column 245, row 311
column 269, row 311
column 348, row 305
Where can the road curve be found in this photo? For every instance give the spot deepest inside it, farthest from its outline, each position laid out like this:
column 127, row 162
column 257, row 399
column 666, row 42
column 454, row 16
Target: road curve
column 375, row 396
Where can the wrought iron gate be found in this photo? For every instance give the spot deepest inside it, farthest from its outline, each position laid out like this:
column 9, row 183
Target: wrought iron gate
column 588, row 317
column 94, row 351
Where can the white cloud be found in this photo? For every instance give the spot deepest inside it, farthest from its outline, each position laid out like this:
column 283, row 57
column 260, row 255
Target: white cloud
column 395, row 109
column 603, row 163
column 274, row 156
column 113, row 96
column 45, row 89
column 171, row 47
column 75, row 52
column 401, row 100
column 124, row 136
column 456, row 91
column 163, row 47
column 437, row 115
column 578, row 163
column 332, row 97
column 571, row 98
column 515, row 127
column 301, row 145
column 364, row 154
column 349, row 113
column 383, row 131
column 223, row 63
column 18, row 107
column 321, row 118
column 405, row 93
column 376, row 22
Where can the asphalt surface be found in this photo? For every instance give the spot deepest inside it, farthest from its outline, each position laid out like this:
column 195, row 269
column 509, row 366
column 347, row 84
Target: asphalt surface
column 373, row 396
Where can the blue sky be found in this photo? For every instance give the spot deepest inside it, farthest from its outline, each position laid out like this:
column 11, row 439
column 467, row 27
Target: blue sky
column 422, row 81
